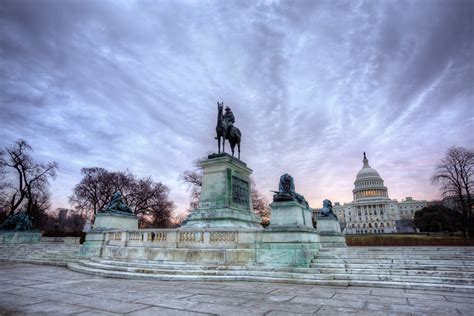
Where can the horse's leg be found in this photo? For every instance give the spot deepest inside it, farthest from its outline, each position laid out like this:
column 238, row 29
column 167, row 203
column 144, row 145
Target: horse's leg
column 232, row 146
column 218, row 144
column 238, row 148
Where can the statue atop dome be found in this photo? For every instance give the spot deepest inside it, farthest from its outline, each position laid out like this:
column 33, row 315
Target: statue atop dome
column 365, row 161
column 286, row 191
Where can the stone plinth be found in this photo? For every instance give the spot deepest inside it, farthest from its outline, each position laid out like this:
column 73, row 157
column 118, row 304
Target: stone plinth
column 94, row 244
column 105, row 223
column 115, row 221
column 290, row 214
column 19, row 237
column 290, row 239
column 225, row 195
column 329, row 230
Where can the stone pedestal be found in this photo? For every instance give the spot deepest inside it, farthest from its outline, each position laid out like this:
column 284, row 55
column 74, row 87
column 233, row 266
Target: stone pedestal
column 290, row 239
column 115, row 221
column 93, row 246
column 19, row 237
column 329, row 231
column 104, row 223
column 291, row 214
column 225, row 195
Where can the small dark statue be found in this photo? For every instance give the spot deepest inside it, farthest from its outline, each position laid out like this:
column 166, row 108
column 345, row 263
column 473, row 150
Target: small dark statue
column 286, row 191
column 326, row 211
column 225, row 129
column 117, row 205
column 19, row 222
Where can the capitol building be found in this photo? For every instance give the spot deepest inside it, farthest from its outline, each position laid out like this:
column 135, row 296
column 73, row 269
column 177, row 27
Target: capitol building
column 372, row 211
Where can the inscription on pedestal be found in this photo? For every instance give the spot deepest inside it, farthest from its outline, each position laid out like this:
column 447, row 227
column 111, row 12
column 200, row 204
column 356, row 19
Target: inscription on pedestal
column 240, row 191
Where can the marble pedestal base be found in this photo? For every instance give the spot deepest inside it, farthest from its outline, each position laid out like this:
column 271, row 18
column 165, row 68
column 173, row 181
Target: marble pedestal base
column 329, row 231
column 290, row 239
column 116, row 221
column 96, row 237
column 225, row 195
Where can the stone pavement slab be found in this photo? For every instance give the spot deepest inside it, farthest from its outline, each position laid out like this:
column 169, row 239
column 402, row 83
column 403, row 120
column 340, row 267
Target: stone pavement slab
column 50, row 290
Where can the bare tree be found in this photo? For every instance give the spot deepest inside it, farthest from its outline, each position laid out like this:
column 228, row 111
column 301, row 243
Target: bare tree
column 261, row 207
column 24, row 181
column 454, row 175
column 93, row 192
column 146, row 198
column 193, row 178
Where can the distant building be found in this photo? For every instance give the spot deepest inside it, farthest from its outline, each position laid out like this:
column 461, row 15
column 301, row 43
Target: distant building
column 372, row 211
column 62, row 215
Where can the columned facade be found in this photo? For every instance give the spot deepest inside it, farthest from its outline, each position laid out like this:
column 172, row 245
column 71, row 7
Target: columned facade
column 371, row 211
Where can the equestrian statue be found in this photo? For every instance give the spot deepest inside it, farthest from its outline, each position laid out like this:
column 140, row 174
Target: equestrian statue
column 225, row 129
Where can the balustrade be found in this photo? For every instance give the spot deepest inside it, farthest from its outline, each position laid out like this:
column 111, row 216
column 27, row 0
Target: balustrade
column 116, row 236
column 157, row 236
column 219, row 237
column 191, row 237
column 135, row 236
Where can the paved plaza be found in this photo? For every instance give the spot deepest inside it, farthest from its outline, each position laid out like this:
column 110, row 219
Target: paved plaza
column 50, row 290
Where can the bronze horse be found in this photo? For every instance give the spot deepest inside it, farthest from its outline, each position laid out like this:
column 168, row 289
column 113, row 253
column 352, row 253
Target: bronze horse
column 222, row 130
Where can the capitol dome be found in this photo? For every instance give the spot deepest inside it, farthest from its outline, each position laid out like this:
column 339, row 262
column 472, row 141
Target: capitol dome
column 369, row 184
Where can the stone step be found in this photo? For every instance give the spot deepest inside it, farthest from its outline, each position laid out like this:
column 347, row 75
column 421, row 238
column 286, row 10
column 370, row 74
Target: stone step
column 188, row 266
column 393, row 266
column 388, row 253
column 398, row 261
column 275, row 278
column 61, row 263
column 314, row 268
column 396, row 256
column 447, row 273
column 185, row 271
column 395, row 250
column 257, row 271
column 466, row 250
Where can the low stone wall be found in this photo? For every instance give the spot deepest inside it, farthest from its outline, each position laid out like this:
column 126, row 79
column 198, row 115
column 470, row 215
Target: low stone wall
column 63, row 240
column 19, row 237
column 226, row 246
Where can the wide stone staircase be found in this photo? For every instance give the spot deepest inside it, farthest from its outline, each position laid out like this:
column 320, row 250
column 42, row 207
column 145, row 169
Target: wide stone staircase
column 441, row 268
column 42, row 253
column 428, row 268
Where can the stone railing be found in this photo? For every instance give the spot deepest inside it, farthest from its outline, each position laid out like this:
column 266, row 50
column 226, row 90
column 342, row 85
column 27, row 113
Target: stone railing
column 224, row 237
column 164, row 238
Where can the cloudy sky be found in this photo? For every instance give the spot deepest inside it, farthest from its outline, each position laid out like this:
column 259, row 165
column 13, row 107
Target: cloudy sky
column 313, row 84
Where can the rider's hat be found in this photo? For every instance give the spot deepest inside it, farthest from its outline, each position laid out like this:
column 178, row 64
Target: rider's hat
column 227, row 108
